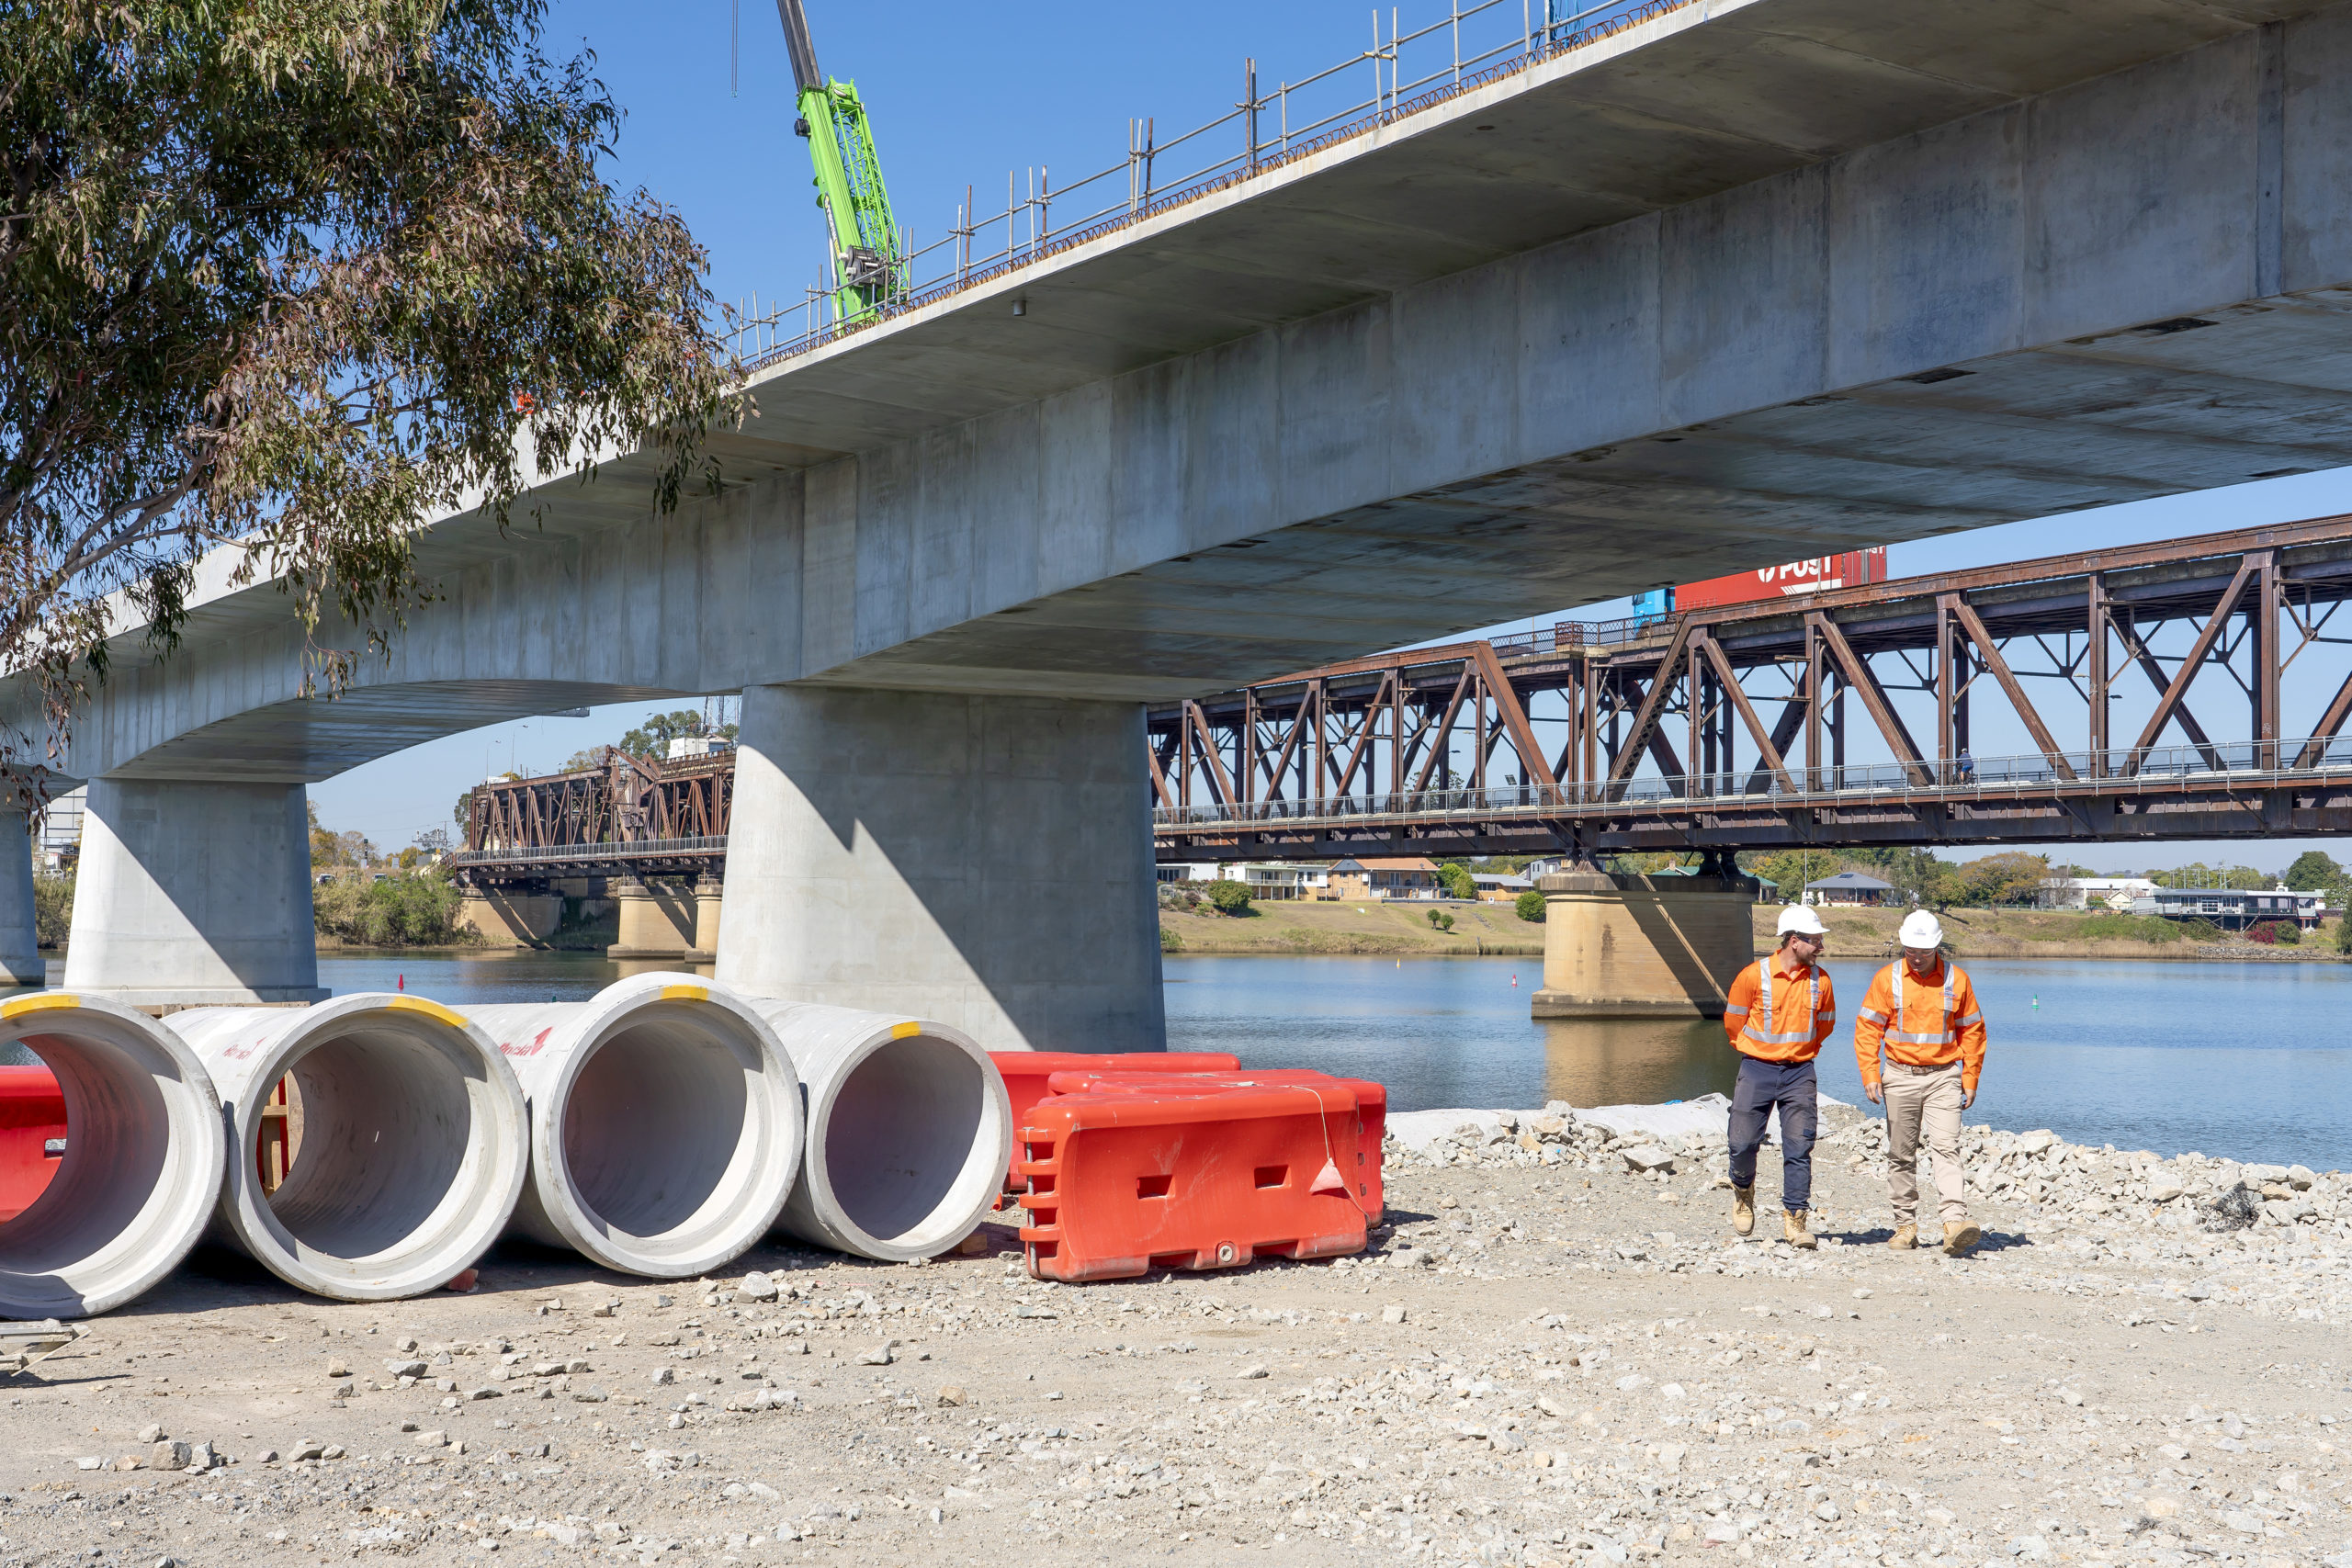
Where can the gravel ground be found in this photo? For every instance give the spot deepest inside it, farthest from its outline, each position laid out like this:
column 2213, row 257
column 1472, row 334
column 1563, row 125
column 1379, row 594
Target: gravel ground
column 1543, row 1362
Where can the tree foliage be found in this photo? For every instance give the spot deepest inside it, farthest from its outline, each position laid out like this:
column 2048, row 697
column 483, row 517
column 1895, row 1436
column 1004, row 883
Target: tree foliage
column 1455, row 879
column 2197, row 873
column 332, row 850
column 2313, row 872
column 2011, row 877
column 52, row 908
column 282, row 279
column 652, row 739
column 1530, row 907
column 412, row 911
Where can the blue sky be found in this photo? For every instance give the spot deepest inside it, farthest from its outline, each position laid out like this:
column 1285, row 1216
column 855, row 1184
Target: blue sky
column 960, row 96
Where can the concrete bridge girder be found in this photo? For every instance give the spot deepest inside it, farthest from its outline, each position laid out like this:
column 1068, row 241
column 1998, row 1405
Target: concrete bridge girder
column 2141, row 281
column 2105, row 277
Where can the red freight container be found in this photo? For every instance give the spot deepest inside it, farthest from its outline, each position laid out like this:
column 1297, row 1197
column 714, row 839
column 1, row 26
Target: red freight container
column 1797, row 577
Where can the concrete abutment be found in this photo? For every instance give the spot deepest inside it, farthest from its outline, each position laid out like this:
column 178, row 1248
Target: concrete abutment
column 982, row 860
column 194, row 893
column 1625, row 946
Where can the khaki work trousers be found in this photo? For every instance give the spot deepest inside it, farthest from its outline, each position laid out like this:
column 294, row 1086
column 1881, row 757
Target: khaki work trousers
column 1923, row 1105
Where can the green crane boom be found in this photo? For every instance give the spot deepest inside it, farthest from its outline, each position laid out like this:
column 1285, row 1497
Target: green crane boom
column 867, row 255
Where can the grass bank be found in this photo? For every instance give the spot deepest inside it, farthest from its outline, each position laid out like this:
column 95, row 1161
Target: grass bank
column 1403, row 930
column 1341, row 929
column 2048, row 934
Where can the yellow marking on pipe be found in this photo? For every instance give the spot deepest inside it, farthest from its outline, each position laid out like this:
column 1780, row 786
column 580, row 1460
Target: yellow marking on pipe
column 430, row 1009
column 685, row 993
column 23, row 1005
column 900, row 1031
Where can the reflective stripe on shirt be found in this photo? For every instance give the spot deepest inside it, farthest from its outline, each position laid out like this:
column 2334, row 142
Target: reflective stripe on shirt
column 1803, row 1036
column 1905, row 1037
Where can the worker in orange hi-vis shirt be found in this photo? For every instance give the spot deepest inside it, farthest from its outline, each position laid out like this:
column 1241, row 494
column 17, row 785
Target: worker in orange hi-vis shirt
column 1921, row 1012
column 1780, row 1010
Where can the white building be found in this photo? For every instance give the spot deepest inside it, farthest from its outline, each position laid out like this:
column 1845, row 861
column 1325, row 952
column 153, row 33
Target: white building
column 1268, row 880
column 2096, row 892
column 2234, row 908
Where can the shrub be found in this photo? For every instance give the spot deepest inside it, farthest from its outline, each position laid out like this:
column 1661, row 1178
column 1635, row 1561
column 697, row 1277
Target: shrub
column 2290, row 933
column 1170, row 942
column 2264, row 931
column 2344, row 934
column 53, row 907
column 1229, row 897
column 1530, row 906
column 1441, row 920
column 2200, row 930
column 399, row 911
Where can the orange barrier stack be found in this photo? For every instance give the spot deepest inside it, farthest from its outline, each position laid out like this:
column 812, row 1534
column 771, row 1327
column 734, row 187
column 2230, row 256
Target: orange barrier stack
column 1025, row 1072
column 1122, row 1182
column 1371, row 1109
column 32, row 1117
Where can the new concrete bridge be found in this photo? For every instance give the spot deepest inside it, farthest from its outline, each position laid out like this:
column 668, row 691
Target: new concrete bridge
column 1751, row 279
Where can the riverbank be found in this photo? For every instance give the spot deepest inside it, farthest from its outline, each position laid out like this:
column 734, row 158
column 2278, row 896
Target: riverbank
column 2047, row 933
column 1544, row 1360
column 1402, row 929
column 1297, row 928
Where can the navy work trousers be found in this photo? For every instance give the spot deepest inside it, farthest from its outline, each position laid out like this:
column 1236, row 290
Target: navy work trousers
column 1792, row 1087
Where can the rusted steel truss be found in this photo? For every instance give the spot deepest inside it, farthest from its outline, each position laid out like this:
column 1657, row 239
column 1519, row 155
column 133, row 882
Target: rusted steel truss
column 654, row 816
column 1730, row 726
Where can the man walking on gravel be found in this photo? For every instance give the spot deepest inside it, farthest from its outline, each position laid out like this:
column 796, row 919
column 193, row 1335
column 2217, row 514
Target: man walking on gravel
column 1781, row 1009
column 1922, row 1013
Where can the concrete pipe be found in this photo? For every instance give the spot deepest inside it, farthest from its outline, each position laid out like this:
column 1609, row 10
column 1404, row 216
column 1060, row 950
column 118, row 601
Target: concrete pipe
column 404, row 1143
column 908, row 1131
column 666, row 1123
column 142, row 1167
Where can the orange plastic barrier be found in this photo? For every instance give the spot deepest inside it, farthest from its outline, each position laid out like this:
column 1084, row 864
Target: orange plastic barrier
column 32, row 1116
column 1120, row 1184
column 1371, row 1109
column 1025, row 1072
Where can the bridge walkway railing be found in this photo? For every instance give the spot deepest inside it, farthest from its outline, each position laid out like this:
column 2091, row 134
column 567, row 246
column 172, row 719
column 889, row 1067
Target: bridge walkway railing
column 2236, row 766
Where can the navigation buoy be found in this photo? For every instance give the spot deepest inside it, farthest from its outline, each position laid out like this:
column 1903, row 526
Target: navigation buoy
column 1514, row 982
column 2037, row 1002
column 400, row 982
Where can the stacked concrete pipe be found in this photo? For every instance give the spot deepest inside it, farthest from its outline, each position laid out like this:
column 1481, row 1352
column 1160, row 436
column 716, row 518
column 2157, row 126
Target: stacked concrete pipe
column 143, row 1161
column 413, row 1143
column 666, row 1123
column 908, row 1131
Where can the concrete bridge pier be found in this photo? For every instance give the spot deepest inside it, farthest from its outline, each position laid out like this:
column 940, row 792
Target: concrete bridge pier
column 982, row 860
column 193, row 894
column 21, row 962
column 1626, row 946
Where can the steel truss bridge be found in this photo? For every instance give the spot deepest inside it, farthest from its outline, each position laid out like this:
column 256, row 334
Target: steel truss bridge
column 625, row 816
column 1661, row 732
column 1744, row 714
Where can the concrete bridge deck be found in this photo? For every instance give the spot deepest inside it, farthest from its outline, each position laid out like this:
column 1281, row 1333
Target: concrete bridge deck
column 1752, row 279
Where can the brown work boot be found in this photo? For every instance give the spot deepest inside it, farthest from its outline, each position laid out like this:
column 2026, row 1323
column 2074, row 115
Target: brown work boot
column 1905, row 1239
column 1743, row 1209
column 1793, row 1230
column 1961, row 1239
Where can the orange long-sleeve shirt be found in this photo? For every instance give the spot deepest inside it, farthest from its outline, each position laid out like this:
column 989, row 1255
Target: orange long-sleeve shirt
column 1935, row 1024
column 1781, row 1010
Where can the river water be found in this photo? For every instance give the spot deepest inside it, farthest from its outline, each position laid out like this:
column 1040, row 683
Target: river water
column 2252, row 1061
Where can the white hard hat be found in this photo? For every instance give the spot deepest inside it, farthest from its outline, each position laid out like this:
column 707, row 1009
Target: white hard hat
column 1921, row 928
column 1801, row 919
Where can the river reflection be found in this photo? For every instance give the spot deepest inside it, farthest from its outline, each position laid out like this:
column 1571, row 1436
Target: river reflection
column 1590, row 1062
